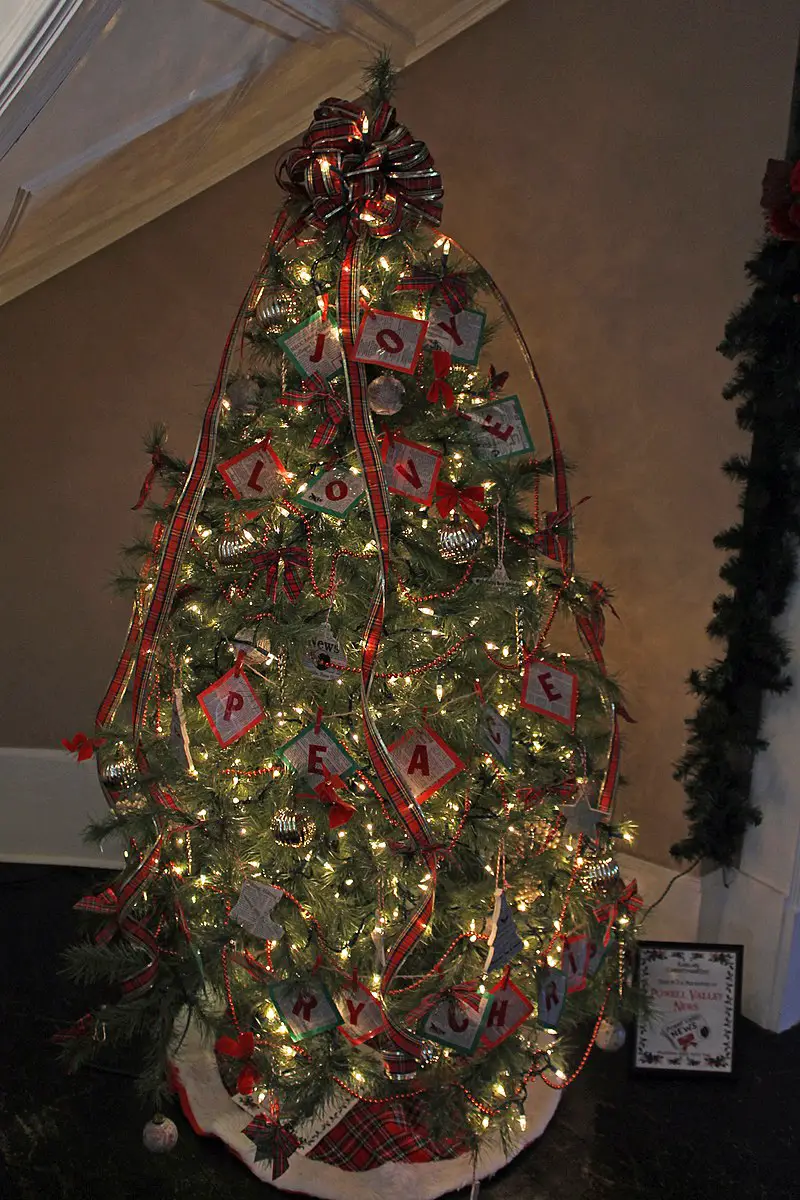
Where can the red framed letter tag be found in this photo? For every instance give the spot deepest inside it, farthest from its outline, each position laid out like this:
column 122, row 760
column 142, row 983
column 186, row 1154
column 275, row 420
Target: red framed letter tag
column 362, row 1016
column 509, row 1008
column 411, row 470
column 231, row 707
column 254, row 474
column 389, row 340
column 551, row 691
column 426, row 762
column 575, row 962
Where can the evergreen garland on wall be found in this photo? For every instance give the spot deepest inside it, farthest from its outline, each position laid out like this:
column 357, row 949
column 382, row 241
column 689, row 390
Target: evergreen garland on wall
column 763, row 337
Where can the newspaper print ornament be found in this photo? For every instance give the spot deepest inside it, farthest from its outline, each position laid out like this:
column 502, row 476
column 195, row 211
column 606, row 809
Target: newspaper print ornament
column 253, row 910
column 610, row 1035
column 276, row 306
column 323, row 657
column 504, row 941
column 385, row 395
column 254, row 644
column 459, row 541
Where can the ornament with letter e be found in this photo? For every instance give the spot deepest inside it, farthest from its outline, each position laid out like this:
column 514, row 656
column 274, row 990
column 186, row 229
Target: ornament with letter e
column 575, row 961
column 550, row 690
column 504, row 941
column 305, row 1007
column 313, row 347
column 315, row 749
column 411, row 470
column 551, row 987
column 362, row 1015
column 494, row 734
column 231, row 706
column 500, row 430
column 254, row 474
column 508, row 1009
column 459, row 333
column 389, row 340
column 425, row 761
column 457, row 1019
column 333, row 492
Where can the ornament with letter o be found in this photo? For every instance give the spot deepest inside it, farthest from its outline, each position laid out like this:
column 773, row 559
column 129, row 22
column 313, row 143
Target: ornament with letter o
column 389, row 340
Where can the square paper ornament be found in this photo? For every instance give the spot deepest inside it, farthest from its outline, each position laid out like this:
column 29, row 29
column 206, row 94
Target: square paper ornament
column 425, row 761
column 305, row 1007
column 574, row 962
column 551, row 987
column 391, row 341
column 253, row 910
column 333, row 492
column 313, row 750
column 500, row 430
column 254, row 474
column 494, row 734
column 504, row 941
column 460, row 334
column 508, row 1009
column 231, row 707
column 362, row 1015
column 411, row 470
column 597, row 951
column 457, row 1022
column 313, row 346
column 551, row 691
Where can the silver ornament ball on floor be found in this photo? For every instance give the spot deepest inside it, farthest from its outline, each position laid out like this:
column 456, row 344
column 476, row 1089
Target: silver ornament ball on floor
column 277, row 306
column 292, row 827
column 386, row 394
column 610, row 1035
column 160, row 1135
column 459, row 541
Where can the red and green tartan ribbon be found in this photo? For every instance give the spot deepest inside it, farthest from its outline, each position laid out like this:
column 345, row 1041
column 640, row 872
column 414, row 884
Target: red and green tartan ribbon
column 440, row 389
column 395, row 1131
column 293, row 560
column 317, row 391
column 627, row 902
column 353, row 168
column 272, row 1140
column 468, row 499
column 452, row 287
column 115, row 904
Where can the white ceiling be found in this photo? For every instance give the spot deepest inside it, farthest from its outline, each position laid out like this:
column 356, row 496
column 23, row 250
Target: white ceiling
column 113, row 111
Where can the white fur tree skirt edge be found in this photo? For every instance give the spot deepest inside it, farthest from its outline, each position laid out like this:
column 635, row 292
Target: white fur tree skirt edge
column 212, row 1113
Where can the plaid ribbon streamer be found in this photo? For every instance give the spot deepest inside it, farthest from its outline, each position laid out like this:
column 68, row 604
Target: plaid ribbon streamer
column 115, row 904
column 401, row 799
column 592, row 630
column 628, row 901
column 293, row 559
column 272, row 1140
column 317, row 391
column 156, row 462
column 454, row 288
column 468, row 499
column 356, row 169
column 372, row 1134
column 440, row 389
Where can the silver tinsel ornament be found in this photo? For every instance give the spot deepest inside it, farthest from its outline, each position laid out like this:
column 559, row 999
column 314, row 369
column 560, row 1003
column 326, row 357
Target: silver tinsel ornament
column 292, row 827
column 277, row 306
column 234, row 547
column 386, row 394
column 255, row 645
column 459, row 541
column 598, row 875
column 119, row 775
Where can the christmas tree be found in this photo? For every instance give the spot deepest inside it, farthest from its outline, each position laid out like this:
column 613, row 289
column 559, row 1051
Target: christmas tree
column 366, row 762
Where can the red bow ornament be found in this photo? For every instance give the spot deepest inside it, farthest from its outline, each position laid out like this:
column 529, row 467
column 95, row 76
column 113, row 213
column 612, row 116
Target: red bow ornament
column 294, row 560
column 317, row 391
column 240, row 1047
column 453, row 288
column 328, row 792
column 272, row 1140
column 82, row 746
column 440, row 389
column 627, row 902
column 468, row 499
column 780, row 198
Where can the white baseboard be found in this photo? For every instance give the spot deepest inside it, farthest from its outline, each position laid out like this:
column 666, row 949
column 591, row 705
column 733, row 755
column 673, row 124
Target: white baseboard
column 46, row 802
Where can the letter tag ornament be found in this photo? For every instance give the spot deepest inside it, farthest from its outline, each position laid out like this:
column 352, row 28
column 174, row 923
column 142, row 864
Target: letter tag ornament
column 333, row 492
column 551, row 987
column 362, row 1016
column 305, row 1007
column 425, row 761
column 323, row 655
column 315, row 749
column 500, row 430
column 254, row 474
column 509, row 1008
column 457, row 1021
column 411, row 470
column 460, row 334
column 313, row 347
column 551, row 691
column 389, row 340
column 494, row 735
column 575, row 962
column 231, row 707
column 504, row 941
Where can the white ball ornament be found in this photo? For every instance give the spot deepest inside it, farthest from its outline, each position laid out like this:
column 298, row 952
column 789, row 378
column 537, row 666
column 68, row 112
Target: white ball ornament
column 385, row 395
column 160, row 1135
column 610, row 1035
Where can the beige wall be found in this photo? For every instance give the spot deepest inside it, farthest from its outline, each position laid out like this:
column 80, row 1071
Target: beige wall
column 604, row 161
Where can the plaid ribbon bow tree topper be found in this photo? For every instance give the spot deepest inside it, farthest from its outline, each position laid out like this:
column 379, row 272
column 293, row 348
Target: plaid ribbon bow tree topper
column 452, row 287
column 354, row 168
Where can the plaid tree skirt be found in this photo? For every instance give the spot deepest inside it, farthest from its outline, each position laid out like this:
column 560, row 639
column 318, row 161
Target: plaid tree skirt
column 367, row 1152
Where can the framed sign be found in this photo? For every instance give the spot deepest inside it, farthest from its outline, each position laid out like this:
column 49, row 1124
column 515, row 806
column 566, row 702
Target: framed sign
column 693, row 992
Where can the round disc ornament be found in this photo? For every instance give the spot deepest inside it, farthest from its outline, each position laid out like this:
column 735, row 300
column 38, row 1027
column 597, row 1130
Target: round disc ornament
column 610, row 1035
column 160, row 1135
column 323, row 656
column 292, row 827
column 459, row 541
column 386, row 394
column 277, row 305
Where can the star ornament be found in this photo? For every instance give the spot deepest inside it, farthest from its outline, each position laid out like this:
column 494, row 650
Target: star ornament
column 581, row 818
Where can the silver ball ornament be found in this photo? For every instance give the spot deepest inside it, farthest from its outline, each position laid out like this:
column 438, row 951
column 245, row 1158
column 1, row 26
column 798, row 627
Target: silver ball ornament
column 242, row 394
column 386, row 394
column 459, row 541
column 234, row 547
column 160, row 1135
column 399, row 1066
column 119, row 775
column 277, row 305
column 610, row 1035
column 292, row 827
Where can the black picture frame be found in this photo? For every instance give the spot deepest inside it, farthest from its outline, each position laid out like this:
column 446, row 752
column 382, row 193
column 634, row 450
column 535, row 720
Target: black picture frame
column 694, row 991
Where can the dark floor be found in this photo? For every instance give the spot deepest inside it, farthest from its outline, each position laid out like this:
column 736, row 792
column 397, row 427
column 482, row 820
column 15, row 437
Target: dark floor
column 612, row 1137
